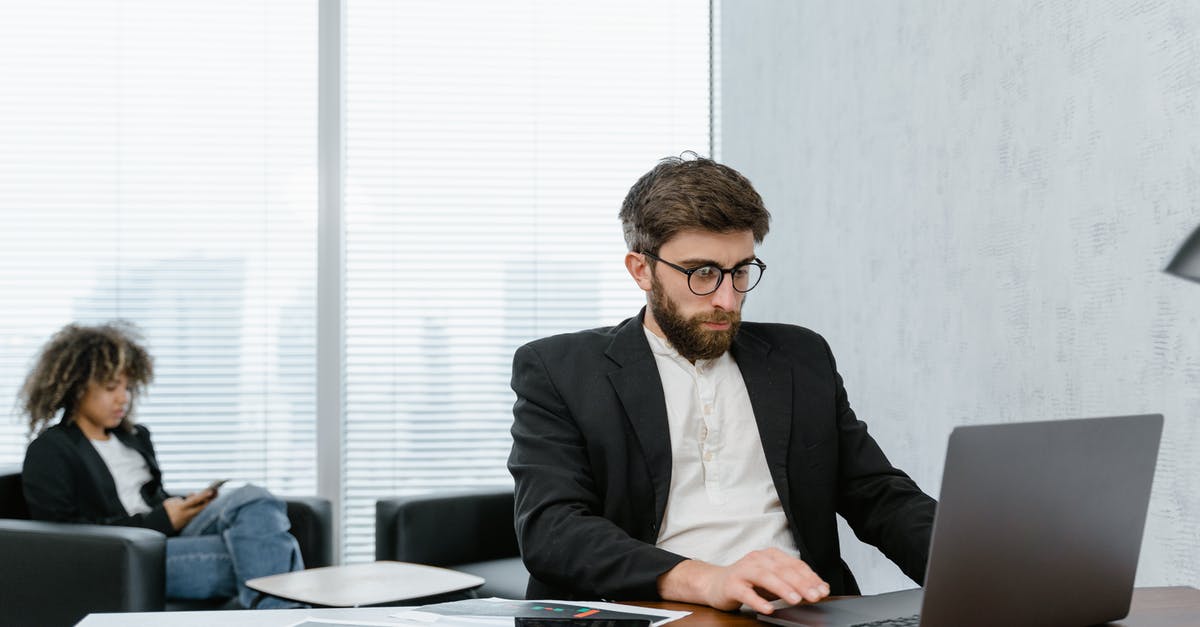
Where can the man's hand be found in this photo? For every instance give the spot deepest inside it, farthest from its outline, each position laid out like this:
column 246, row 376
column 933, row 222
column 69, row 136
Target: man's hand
column 755, row 579
column 181, row 510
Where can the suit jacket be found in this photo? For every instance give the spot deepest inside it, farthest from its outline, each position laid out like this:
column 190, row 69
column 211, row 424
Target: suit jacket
column 591, row 459
column 66, row 480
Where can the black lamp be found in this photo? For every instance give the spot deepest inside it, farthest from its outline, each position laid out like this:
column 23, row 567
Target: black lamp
column 1186, row 264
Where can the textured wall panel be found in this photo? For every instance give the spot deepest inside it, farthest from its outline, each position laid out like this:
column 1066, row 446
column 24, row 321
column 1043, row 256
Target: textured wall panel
column 973, row 202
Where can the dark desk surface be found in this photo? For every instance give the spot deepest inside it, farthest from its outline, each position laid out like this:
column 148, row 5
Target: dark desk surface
column 1152, row 607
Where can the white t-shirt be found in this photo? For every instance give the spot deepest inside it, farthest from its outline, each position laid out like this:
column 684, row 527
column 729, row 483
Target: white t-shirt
column 722, row 502
column 129, row 471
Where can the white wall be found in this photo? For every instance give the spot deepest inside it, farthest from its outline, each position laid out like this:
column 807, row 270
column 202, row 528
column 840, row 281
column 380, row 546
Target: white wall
column 973, row 202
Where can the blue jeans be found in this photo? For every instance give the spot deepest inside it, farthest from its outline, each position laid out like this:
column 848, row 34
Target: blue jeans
column 241, row 535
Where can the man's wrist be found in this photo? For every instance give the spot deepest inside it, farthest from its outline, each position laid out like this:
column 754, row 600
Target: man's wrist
column 686, row 582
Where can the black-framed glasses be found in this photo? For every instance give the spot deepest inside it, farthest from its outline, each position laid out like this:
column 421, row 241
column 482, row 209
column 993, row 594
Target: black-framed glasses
column 704, row 280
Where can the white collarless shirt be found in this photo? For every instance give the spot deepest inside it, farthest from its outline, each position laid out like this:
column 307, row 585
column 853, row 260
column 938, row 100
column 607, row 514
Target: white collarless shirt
column 129, row 472
column 722, row 502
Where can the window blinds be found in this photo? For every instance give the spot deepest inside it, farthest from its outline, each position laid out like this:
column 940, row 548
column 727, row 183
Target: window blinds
column 488, row 148
column 157, row 164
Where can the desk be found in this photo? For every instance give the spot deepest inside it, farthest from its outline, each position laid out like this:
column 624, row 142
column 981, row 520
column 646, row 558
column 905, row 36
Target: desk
column 1152, row 607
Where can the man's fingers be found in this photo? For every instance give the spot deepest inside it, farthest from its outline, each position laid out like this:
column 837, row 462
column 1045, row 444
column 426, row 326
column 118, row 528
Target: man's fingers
column 747, row 595
column 784, row 576
column 774, row 586
column 799, row 577
column 793, row 589
column 798, row 580
column 759, row 576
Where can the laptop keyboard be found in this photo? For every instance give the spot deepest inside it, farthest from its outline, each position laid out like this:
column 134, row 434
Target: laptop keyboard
column 903, row 621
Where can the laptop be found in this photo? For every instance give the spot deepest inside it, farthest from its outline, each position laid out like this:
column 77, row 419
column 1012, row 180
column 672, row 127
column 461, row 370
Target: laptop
column 1039, row 524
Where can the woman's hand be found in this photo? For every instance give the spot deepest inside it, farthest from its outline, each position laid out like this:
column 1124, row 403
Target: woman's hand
column 181, row 510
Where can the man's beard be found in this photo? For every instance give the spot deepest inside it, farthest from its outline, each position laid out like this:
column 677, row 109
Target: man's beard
column 688, row 335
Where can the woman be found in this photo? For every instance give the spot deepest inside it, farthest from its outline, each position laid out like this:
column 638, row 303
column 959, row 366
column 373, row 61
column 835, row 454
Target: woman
column 96, row 466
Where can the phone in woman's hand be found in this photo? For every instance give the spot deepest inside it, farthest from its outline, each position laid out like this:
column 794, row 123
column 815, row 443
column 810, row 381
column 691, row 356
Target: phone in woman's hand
column 216, row 485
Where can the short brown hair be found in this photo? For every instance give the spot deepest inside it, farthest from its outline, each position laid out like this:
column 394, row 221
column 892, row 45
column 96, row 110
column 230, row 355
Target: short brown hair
column 690, row 192
column 77, row 355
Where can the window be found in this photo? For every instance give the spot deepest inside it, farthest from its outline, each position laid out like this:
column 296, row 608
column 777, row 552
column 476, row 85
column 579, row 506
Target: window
column 488, row 148
column 158, row 164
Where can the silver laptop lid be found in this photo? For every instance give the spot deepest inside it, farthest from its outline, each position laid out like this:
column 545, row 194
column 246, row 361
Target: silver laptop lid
column 1040, row 523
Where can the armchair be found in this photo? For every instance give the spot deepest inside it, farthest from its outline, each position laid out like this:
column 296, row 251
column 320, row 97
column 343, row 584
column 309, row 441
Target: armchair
column 56, row 573
column 467, row 531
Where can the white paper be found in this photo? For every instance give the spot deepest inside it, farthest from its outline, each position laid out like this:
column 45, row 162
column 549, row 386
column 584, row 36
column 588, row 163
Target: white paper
column 427, row 618
column 323, row 622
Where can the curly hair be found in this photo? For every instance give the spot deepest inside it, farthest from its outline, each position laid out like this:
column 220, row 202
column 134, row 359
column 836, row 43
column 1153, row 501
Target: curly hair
column 76, row 356
column 690, row 192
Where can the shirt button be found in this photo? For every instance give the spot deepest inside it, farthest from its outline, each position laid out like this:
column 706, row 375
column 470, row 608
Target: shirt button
column 707, row 409
column 708, row 456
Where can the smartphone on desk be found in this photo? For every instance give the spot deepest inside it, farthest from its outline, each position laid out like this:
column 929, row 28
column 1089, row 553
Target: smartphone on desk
column 580, row 622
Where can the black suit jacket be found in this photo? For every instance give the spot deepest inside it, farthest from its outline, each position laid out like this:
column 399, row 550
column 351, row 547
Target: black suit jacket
column 66, row 480
column 591, row 458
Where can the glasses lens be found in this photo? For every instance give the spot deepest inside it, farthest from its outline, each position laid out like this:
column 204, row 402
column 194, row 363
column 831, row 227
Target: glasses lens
column 746, row 276
column 704, row 280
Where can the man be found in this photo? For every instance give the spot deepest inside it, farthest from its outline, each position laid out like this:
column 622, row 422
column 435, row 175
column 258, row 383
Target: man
column 686, row 455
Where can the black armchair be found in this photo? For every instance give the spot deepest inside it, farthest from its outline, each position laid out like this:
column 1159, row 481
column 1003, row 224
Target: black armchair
column 467, row 531
column 56, row 573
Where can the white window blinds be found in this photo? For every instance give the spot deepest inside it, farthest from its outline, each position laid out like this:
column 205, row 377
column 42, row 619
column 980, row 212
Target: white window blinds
column 488, row 148
column 157, row 163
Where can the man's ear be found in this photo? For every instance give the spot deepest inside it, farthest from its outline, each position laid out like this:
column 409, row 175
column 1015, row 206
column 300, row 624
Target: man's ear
column 639, row 269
